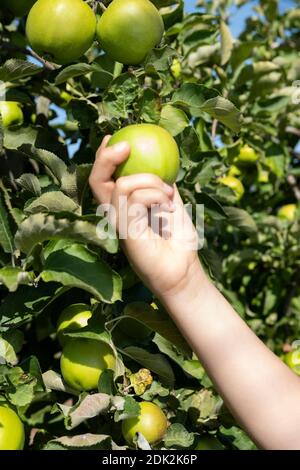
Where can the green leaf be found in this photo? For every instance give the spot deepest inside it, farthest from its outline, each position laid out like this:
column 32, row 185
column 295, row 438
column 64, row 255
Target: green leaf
column 75, row 181
column 204, row 54
column 12, row 277
column 53, row 381
column 241, row 219
column 190, row 366
column 226, row 43
column 89, row 407
column 85, row 441
column 121, row 93
column 73, row 71
column 178, row 436
column 53, row 163
column 129, row 409
column 15, row 69
column 241, row 51
column 157, row 363
column 27, row 302
column 159, row 59
column 224, row 111
column 41, row 227
column 158, row 321
column 21, row 383
column 173, row 119
column 77, row 266
column 211, row 205
column 6, row 237
column 106, row 382
column 13, row 139
column 52, row 201
column 149, row 106
column 238, row 438
column 30, row 183
column 193, row 96
column 11, row 343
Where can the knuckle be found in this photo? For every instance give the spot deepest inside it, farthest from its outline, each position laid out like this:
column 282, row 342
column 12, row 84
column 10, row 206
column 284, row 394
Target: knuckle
column 121, row 184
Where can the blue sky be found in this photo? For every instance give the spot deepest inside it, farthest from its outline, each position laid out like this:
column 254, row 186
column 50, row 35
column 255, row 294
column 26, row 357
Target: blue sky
column 238, row 15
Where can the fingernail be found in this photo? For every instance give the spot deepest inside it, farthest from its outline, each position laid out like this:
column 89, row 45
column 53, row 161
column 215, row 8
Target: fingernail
column 120, row 147
column 168, row 189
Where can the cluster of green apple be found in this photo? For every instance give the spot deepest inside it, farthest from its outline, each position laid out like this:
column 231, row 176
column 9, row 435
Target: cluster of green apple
column 247, row 156
column 63, row 30
column 84, row 360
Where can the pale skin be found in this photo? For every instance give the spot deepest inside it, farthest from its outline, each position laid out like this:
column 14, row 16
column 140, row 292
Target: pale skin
column 260, row 390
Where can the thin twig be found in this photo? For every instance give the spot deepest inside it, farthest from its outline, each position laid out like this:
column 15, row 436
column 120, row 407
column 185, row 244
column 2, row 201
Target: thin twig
column 102, row 6
column 292, row 181
column 214, row 128
column 27, row 51
column 47, row 65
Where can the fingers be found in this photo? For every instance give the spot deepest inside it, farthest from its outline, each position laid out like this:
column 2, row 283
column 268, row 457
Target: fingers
column 150, row 197
column 128, row 184
column 107, row 160
column 134, row 195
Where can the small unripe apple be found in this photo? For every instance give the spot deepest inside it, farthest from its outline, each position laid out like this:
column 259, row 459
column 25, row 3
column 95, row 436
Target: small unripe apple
column 11, row 114
column 234, row 184
column 287, row 212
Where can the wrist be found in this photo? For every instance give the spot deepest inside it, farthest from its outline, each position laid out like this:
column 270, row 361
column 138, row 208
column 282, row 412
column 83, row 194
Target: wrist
column 189, row 289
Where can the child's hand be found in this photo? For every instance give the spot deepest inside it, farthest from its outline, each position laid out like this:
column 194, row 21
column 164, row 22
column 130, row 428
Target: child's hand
column 163, row 255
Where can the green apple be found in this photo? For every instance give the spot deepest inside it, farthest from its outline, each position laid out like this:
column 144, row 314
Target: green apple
column 153, row 150
column 129, row 29
column 287, row 212
column 247, row 155
column 83, row 361
column 151, row 422
column 12, row 434
column 234, row 171
column 11, row 113
column 72, row 318
column 176, row 68
column 61, row 30
column 234, row 184
column 292, row 359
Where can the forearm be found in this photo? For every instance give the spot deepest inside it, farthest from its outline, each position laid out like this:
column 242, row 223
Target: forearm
column 262, row 393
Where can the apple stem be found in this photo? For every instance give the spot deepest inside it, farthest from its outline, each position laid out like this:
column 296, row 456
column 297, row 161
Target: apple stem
column 102, row 6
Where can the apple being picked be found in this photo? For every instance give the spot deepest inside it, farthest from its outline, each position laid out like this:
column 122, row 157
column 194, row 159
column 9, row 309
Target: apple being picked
column 153, row 150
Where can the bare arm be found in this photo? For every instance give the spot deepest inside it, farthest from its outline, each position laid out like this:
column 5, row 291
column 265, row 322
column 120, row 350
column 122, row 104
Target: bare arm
column 261, row 391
